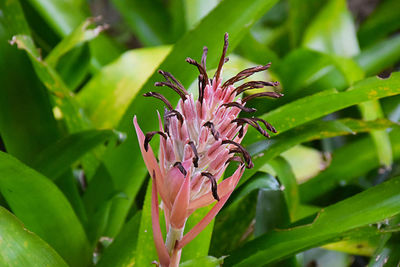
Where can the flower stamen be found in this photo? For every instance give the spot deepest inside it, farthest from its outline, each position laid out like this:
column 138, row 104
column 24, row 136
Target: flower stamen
column 149, row 136
column 213, row 181
column 180, row 167
column 214, row 132
column 237, row 105
column 161, row 97
column 243, row 151
column 268, row 94
column 196, row 156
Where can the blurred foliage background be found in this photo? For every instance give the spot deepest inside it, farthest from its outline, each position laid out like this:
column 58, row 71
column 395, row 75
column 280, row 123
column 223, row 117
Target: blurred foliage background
column 73, row 187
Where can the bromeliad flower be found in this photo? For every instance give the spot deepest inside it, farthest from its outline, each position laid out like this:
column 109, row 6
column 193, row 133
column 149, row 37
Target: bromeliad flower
column 198, row 140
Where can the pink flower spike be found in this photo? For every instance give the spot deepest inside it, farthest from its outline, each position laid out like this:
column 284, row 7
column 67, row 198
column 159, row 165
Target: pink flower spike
column 198, row 139
column 157, row 235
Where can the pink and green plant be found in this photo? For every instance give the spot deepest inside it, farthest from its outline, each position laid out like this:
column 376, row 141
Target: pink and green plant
column 198, row 140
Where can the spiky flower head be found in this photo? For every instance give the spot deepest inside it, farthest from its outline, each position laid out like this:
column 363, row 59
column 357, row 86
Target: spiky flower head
column 198, row 139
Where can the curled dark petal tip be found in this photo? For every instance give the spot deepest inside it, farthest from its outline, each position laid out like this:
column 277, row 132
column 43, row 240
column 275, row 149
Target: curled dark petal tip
column 196, row 155
column 149, row 136
column 214, row 132
column 180, row 167
column 158, row 84
column 213, row 181
column 242, row 150
column 160, row 97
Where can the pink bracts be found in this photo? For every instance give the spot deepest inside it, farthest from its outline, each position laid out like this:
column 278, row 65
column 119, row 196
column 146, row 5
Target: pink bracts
column 197, row 141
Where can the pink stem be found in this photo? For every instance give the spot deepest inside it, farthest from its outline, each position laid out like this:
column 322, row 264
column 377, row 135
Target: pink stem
column 157, row 235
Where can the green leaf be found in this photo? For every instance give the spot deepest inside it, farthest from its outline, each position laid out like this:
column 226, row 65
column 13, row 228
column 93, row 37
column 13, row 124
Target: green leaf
column 80, row 35
column 233, row 222
column 146, row 251
column 271, row 211
column 326, row 102
column 148, row 20
column 363, row 159
column 331, row 222
column 379, row 56
column 58, row 157
column 40, row 205
column 197, row 9
column 74, row 66
column 107, row 95
column 122, row 251
column 306, row 162
column 387, row 254
column 372, row 110
column 383, row 21
column 63, row 97
column 264, row 151
column 333, row 31
column 24, row 103
column 301, row 14
column 129, row 175
column 207, row 261
column 20, row 247
column 288, row 181
column 255, row 51
column 65, row 16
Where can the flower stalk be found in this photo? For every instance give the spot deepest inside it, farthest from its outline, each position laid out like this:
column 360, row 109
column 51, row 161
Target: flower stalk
column 198, row 140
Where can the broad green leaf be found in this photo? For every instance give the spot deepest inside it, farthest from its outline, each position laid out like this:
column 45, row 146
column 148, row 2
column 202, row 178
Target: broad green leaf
column 197, row 9
column 250, row 48
column 371, row 110
column 271, row 211
column 58, row 157
column 333, row 31
column 379, row 56
column 363, row 159
column 264, row 151
column 388, row 254
column 301, row 13
column 326, row 102
column 74, row 66
column 122, row 251
column 331, row 223
column 207, row 261
column 128, row 175
column 306, row 162
column 63, row 97
column 178, row 18
column 288, row 183
column 383, row 21
column 148, row 20
column 65, row 16
column 24, row 103
column 299, row 79
column 80, row 35
column 107, row 95
column 20, row 247
column 40, row 205
column 233, row 223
